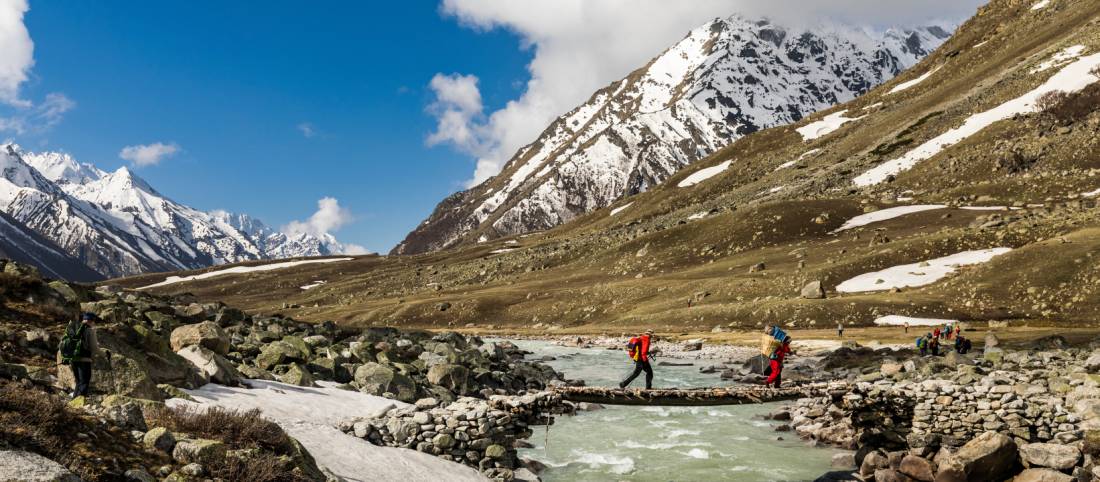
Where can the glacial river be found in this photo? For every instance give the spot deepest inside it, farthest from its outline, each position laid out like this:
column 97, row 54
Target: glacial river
column 663, row 444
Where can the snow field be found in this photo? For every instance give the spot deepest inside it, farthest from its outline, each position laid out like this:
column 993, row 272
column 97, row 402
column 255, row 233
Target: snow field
column 1072, row 78
column 885, row 214
column 704, row 174
column 917, row 274
column 898, row 320
column 911, row 83
column 241, row 270
column 621, row 208
column 312, row 416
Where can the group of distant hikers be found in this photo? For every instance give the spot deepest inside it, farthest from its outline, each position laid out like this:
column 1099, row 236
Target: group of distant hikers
column 931, row 342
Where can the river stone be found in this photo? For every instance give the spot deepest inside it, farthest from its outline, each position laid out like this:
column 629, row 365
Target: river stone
column 989, row 456
column 1042, row 475
column 495, row 451
column 872, row 462
column 443, row 441
column 17, row 465
column 918, row 468
column 1058, row 457
column 161, row 439
column 378, row 379
column 206, row 334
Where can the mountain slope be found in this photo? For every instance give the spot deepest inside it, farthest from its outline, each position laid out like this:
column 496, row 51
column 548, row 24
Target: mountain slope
column 726, row 79
column 118, row 224
column 22, row 244
column 731, row 241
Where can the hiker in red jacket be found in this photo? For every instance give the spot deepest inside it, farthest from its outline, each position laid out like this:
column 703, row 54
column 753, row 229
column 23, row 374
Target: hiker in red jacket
column 777, row 360
column 640, row 349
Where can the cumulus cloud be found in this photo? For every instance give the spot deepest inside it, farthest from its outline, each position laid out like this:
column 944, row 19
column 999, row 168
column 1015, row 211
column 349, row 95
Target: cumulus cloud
column 148, row 154
column 330, row 217
column 582, row 45
column 17, row 56
column 16, row 60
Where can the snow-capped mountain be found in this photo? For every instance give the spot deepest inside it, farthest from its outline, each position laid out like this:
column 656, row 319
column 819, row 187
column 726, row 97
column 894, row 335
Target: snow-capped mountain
column 22, row 244
column 118, row 225
column 726, row 79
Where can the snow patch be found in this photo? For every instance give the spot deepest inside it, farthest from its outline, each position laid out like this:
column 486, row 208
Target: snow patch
column 825, row 126
column 698, row 216
column 241, row 270
column 502, row 250
column 885, row 214
column 312, row 416
column 621, row 208
column 1072, row 78
column 704, row 174
column 1092, row 193
column 314, row 285
column 1061, row 58
column 1041, row 5
column 909, row 84
column 917, row 274
column 872, row 106
column 898, row 320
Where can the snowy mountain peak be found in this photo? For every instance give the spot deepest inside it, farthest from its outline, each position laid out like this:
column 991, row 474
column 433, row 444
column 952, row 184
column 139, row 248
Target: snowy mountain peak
column 726, row 79
column 118, row 224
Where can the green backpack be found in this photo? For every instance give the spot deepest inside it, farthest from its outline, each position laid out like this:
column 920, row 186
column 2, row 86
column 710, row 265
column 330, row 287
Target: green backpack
column 72, row 344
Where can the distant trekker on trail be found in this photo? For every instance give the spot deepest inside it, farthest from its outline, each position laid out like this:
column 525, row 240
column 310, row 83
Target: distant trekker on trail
column 78, row 347
column 922, row 343
column 840, row 330
column 640, row 348
column 962, row 344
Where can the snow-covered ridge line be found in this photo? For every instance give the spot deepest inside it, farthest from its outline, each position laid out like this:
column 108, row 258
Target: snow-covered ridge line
column 917, row 274
column 241, row 270
column 1072, row 78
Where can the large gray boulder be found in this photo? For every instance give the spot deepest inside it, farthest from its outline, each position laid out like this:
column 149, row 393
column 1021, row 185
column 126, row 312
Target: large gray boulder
column 451, row 377
column 211, row 366
column 17, row 465
column 378, row 379
column 1055, row 456
column 813, row 291
column 280, row 352
column 206, row 334
column 918, row 468
column 989, row 456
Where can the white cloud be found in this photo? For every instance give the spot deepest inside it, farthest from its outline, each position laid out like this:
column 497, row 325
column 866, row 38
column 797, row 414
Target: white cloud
column 354, row 250
column 330, row 217
column 307, row 130
column 459, row 113
column 148, row 154
column 17, row 54
column 583, row 45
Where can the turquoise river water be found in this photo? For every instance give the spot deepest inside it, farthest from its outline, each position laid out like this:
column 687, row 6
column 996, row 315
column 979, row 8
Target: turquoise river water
column 618, row 443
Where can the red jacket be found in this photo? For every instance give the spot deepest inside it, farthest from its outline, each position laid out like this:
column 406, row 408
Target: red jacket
column 639, row 348
column 782, row 352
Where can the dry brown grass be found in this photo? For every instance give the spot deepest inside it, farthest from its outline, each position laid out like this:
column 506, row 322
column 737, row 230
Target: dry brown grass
column 1066, row 109
column 240, row 430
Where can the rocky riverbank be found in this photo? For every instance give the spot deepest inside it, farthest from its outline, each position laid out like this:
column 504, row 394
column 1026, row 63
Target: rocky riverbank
column 161, row 346
column 1020, row 415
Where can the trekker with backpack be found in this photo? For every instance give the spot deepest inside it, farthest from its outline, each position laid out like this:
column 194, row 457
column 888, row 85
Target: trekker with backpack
column 640, row 349
column 78, row 348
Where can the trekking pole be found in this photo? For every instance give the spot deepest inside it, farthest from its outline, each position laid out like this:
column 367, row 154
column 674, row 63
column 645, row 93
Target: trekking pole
column 111, row 370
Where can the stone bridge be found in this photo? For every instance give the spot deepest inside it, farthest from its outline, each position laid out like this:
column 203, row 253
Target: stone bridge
column 733, row 395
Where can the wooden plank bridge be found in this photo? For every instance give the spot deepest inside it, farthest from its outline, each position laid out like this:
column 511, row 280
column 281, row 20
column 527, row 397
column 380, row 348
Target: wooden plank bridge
column 696, row 397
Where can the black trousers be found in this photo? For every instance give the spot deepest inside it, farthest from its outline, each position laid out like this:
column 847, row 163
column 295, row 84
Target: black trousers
column 83, row 373
column 639, row 367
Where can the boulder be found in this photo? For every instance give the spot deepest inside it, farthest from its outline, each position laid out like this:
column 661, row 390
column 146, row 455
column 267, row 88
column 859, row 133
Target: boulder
column 1042, row 475
column 302, row 349
column 277, row 353
column 451, row 377
column 297, row 375
column 918, row 468
column 989, row 456
column 190, row 451
column 378, row 379
column 991, row 340
column 159, row 438
column 1092, row 364
column 1058, row 457
column 210, row 365
column 206, row 334
column 872, row 462
column 126, row 415
column 160, row 320
column 17, row 465
column 813, row 291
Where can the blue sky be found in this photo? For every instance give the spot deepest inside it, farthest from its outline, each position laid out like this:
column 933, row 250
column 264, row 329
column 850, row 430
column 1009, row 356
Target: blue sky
column 271, row 106
column 231, row 86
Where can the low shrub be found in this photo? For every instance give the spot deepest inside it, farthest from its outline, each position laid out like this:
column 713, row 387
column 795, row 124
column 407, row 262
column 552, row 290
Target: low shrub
column 238, row 429
column 1065, row 108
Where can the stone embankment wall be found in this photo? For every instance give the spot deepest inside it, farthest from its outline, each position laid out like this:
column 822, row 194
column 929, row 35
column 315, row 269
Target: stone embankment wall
column 476, row 432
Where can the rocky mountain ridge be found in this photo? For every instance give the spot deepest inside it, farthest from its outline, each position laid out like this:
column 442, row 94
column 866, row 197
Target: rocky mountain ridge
column 117, row 224
column 728, row 78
